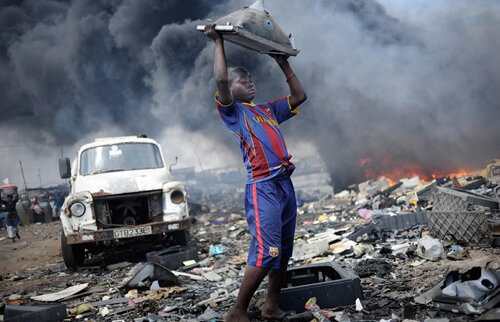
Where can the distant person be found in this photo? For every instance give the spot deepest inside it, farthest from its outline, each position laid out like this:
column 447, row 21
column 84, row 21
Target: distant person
column 12, row 219
column 3, row 217
column 38, row 213
column 270, row 204
column 58, row 202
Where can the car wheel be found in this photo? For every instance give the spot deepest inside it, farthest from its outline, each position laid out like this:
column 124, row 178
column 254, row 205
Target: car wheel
column 73, row 255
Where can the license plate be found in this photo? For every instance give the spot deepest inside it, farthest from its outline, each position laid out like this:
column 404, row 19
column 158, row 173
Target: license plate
column 132, row 232
column 173, row 226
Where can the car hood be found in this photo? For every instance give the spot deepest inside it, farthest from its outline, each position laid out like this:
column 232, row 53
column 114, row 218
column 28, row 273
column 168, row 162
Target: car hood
column 122, row 181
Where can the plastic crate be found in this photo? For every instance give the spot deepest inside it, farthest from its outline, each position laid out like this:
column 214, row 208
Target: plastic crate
column 459, row 200
column 463, row 227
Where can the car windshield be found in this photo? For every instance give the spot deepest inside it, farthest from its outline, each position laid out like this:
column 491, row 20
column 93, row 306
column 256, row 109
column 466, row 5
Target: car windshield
column 120, row 157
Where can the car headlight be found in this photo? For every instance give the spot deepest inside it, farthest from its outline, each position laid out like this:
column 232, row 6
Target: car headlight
column 77, row 209
column 177, row 197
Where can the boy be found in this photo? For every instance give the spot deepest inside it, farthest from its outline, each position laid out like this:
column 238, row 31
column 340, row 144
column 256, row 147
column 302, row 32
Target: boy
column 270, row 204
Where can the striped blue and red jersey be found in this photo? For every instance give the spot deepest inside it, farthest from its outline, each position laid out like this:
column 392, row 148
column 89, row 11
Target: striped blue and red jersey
column 256, row 127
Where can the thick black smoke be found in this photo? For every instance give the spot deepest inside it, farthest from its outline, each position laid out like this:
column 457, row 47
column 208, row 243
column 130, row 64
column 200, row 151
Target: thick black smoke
column 69, row 68
column 377, row 86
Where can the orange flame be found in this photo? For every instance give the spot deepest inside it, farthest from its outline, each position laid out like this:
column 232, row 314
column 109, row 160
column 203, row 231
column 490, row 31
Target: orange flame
column 384, row 166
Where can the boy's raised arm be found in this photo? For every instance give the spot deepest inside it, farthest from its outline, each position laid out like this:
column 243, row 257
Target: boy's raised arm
column 220, row 65
column 297, row 94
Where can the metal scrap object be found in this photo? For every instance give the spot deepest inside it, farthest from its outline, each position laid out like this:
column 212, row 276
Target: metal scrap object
column 145, row 273
column 51, row 297
column 216, row 297
column 254, row 28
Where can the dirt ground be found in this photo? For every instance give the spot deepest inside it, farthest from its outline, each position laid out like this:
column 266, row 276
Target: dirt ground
column 39, row 247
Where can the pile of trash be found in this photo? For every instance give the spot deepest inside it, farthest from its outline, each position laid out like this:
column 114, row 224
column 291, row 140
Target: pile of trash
column 414, row 251
column 392, row 236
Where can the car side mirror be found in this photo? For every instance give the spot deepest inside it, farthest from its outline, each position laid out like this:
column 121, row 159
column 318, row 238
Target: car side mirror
column 172, row 164
column 64, row 168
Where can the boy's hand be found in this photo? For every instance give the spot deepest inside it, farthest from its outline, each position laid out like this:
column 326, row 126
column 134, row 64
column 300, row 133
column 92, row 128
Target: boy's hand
column 211, row 33
column 280, row 59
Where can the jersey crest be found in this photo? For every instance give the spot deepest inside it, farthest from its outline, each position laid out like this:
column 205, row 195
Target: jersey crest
column 274, row 251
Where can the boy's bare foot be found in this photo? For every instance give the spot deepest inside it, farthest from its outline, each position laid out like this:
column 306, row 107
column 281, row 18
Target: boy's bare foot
column 272, row 313
column 237, row 315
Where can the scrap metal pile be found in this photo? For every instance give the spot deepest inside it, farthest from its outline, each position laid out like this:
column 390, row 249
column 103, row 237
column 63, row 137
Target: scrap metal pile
column 411, row 251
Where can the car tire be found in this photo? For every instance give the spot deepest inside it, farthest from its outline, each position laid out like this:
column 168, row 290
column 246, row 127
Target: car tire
column 73, row 255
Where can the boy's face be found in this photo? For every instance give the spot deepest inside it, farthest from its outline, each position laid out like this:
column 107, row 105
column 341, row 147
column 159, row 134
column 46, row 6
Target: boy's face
column 243, row 89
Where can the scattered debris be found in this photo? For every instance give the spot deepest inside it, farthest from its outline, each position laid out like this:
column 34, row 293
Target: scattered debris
column 409, row 258
column 430, row 248
column 172, row 257
column 143, row 274
column 52, row 297
column 39, row 313
column 312, row 306
column 472, row 292
column 330, row 283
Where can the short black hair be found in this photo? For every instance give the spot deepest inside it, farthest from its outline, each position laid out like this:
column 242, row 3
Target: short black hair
column 233, row 73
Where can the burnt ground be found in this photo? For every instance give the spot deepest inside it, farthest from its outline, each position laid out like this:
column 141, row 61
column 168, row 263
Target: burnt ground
column 33, row 265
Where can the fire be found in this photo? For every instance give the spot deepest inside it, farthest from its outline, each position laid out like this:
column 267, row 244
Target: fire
column 457, row 174
column 393, row 171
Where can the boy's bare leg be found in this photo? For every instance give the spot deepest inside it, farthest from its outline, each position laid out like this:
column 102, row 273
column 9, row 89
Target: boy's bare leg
column 251, row 281
column 271, row 309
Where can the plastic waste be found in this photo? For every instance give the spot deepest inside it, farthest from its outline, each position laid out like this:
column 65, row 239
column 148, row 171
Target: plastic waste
column 359, row 306
column 365, row 213
column 217, row 250
column 315, row 310
column 474, row 284
column 430, row 248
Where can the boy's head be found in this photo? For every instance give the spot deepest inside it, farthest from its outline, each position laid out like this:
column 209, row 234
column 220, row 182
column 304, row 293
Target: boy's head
column 241, row 84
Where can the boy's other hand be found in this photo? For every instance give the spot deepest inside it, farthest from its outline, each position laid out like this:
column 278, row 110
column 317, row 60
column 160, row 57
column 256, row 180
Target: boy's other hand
column 280, row 58
column 211, row 33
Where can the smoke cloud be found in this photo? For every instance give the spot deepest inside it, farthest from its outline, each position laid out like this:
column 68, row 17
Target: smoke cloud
column 417, row 86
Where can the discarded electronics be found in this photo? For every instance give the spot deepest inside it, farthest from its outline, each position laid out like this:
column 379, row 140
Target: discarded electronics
column 332, row 285
column 39, row 313
column 472, row 292
column 314, row 246
column 461, row 216
column 143, row 274
column 402, row 221
column 173, row 257
column 254, row 28
column 388, row 222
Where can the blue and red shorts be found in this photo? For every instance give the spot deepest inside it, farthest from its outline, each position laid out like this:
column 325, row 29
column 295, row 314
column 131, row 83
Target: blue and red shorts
column 271, row 212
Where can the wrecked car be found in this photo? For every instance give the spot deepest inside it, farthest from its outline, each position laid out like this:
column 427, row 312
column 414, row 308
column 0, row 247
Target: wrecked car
column 121, row 194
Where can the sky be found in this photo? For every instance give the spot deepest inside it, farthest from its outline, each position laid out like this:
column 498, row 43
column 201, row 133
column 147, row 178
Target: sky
column 401, row 83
